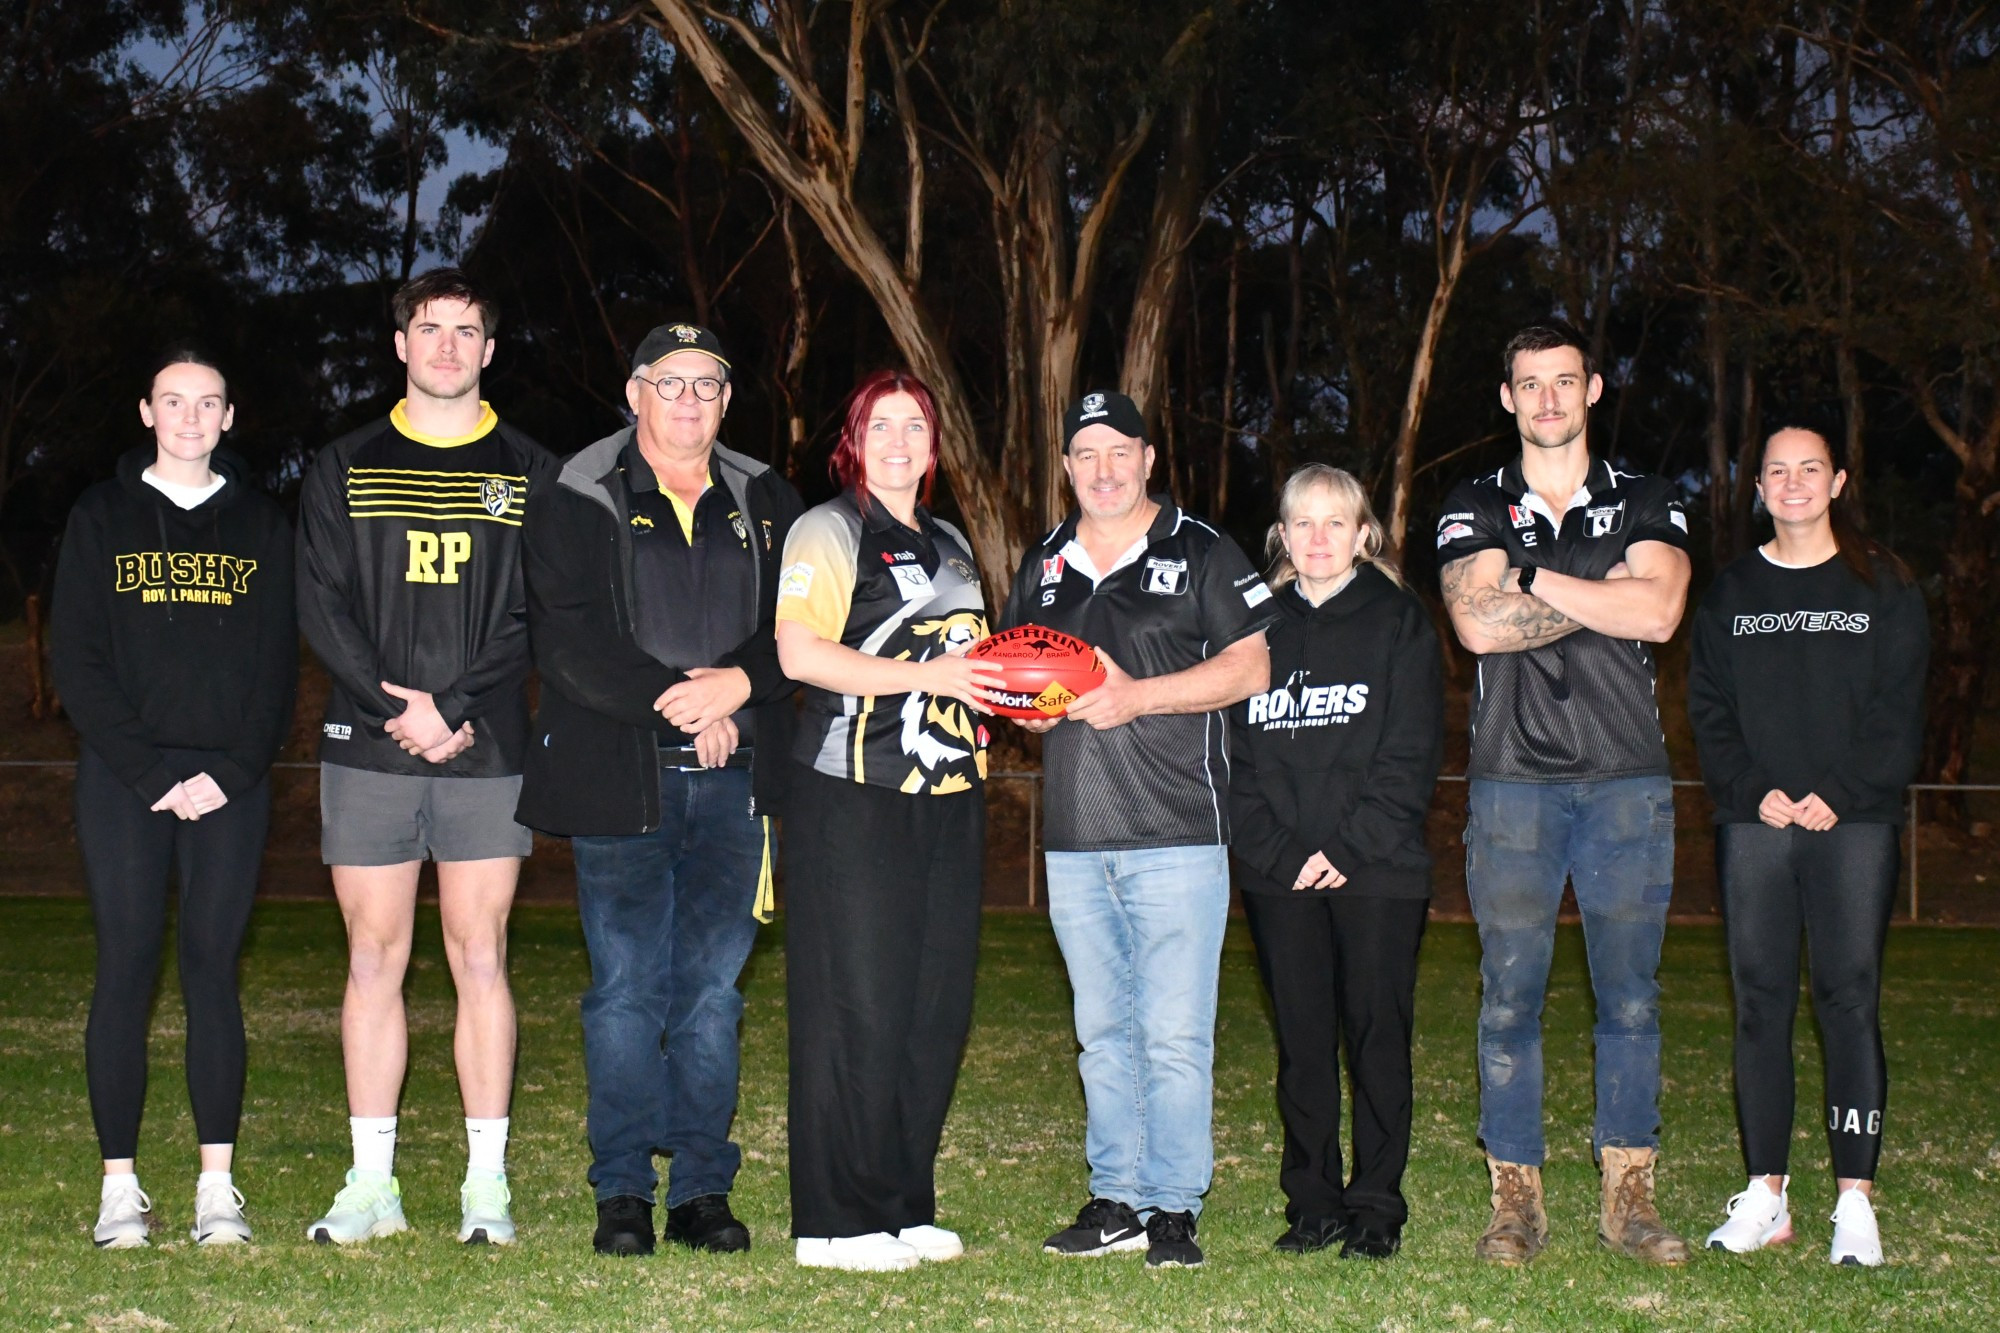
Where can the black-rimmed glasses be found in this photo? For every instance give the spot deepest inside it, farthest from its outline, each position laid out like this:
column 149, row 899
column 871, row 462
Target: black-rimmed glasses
column 671, row 387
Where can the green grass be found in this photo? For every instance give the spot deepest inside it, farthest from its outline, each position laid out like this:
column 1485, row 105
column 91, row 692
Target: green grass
column 1012, row 1168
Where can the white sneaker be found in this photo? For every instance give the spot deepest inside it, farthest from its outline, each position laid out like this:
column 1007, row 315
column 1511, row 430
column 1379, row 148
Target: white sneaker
column 1857, row 1243
column 369, row 1205
column 1757, row 1217
column 932, row 1244
column 121, row 1217
column 484, row 1219
column 218, row 1216
column 876, row 1252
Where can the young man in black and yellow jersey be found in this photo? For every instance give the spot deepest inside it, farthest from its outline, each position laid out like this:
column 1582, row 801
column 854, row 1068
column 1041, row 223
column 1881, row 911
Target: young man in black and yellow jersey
column 410, row 592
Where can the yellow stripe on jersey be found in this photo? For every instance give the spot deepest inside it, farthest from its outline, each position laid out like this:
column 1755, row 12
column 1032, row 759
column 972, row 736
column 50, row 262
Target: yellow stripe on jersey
column 477, row 497
column 399, row 417
column 816, row 586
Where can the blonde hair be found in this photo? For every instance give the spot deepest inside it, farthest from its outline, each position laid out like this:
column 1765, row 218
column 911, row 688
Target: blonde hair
column 1350, row 495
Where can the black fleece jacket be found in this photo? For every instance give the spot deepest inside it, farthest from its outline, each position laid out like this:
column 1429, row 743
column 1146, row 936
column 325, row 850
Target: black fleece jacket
column 1341, row 754
column 173, row 629
column 593, row 761
column 1809, row 681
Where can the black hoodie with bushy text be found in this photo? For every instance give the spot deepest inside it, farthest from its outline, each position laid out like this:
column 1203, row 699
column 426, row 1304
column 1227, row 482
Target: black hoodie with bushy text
column 173, row 628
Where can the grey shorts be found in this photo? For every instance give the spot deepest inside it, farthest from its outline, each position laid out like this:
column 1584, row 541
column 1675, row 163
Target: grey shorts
column 386, row 819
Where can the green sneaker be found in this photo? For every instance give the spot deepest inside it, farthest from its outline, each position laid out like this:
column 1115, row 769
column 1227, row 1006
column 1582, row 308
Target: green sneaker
column 371, row 1205
column 483, row 1201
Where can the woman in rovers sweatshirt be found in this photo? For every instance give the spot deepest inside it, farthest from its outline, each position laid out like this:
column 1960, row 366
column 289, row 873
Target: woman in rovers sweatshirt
column 175, row 652
column 1332, row 773
column 1806, row 695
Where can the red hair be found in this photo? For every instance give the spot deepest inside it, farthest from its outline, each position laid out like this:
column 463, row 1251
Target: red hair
column 849, row 463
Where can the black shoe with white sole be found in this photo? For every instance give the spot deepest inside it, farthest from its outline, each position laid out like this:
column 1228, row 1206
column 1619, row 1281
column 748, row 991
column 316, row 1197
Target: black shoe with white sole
column 1170, row 1241
column 1105, row 1226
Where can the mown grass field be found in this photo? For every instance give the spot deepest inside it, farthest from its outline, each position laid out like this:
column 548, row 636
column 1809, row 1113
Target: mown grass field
column 1012, row 1168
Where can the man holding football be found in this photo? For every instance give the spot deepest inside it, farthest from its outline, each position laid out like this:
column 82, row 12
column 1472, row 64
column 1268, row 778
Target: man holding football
column 1137, row 833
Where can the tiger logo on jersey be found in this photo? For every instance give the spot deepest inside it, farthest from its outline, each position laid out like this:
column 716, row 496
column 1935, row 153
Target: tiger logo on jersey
column 938, row 733
column 496, row 495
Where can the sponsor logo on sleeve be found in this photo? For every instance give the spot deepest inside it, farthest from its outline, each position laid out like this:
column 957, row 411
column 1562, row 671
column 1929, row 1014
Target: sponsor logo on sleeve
column 795, row 580
column 1256, row 596
column 1678, row 518
column 1451, row 532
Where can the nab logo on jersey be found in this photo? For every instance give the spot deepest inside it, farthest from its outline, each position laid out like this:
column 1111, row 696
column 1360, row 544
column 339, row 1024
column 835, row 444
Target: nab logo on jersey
column 430, row 550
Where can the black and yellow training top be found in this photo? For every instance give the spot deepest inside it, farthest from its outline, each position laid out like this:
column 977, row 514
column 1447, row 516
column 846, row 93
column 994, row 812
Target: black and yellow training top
column 410, row 572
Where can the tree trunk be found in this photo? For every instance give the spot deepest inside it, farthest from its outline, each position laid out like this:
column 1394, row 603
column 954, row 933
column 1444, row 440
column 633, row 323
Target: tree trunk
column 1959, row 655
column 1720, row 491
column 1747, row 451
column 1225, row 445
column 1422, row 366
column 1176, row 212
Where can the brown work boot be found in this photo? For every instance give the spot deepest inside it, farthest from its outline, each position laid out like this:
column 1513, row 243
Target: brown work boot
column 1520, row 1225
column 1627, row 1221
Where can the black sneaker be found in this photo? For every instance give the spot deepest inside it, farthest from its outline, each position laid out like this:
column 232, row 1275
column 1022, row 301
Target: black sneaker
column 706, row 1224
column 1372, row 1238
column 1170, row 1241
column 624, row 1226
column 1105, row 1226
column 1307, row 1234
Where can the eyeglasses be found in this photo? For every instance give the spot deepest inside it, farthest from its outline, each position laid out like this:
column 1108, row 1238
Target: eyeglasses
column 671, row 387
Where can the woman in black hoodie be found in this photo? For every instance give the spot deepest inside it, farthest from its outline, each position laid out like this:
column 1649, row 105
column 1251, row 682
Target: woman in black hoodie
column 1332, row 773
column 175, row 652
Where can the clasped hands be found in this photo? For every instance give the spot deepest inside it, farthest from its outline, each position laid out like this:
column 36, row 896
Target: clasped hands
column 421, row 730
column 1781, row 811
column 191, row 798
column 704, row 705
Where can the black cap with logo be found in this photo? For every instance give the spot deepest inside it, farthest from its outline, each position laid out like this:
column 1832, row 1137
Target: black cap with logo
column 668, row 339
column 1104, row 409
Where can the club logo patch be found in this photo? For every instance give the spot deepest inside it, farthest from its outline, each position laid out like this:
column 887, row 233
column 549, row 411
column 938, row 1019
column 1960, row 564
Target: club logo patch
column 687, row 333
column 1167, row 577
column 795, row 581
column 739, row 527
column 1093, row 405
column 1604, row 520
column 496, row 495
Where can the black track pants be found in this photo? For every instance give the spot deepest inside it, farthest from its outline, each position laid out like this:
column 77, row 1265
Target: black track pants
column 1837, row 887
column 1341, row 971
column 881, row 938
column 129, row 852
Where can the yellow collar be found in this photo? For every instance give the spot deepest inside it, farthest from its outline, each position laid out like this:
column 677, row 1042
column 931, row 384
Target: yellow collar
column 399, row 417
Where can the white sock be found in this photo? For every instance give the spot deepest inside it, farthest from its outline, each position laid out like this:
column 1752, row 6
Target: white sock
column 374, row 1143
column 207, row 1178
column 123, row 1180
column 486, row 1146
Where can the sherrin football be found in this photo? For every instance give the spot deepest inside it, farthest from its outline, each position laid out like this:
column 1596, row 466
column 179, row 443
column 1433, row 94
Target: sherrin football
column 1043, row 671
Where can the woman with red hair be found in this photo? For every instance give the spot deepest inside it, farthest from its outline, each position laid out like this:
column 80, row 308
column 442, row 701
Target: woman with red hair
column 885, row 838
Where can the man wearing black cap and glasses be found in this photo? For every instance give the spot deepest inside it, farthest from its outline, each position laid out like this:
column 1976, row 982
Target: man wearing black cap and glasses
column 652, row 570
column 1137, row 806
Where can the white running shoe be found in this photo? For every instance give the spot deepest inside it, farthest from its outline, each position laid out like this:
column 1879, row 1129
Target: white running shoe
column 218, row 1216
column 121, row 1217
column 369, row 1205
column 876, row 1252
column 933, row 1244
column 1757, row 1217
column 484, row 1219
column 1857, row 1243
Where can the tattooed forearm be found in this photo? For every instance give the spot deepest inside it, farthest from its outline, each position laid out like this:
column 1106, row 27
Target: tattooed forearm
column 1492, row 620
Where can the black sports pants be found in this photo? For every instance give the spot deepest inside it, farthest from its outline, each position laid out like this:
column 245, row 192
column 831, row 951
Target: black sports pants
column 881, row 938
column 1340, row 971
column 128, row 853
column 1837, row 887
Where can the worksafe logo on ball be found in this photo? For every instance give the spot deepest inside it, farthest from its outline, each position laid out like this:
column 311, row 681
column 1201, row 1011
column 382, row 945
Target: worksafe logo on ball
column 496, row 495
column 1168, row 577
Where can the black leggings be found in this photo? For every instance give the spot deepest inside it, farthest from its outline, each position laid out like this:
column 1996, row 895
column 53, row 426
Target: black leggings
column 128, row 853
column 1837, row 885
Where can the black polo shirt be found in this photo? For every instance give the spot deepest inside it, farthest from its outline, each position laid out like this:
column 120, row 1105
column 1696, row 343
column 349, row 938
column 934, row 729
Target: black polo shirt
column 1582, row 708
column 1180, row 597
column 694, row 593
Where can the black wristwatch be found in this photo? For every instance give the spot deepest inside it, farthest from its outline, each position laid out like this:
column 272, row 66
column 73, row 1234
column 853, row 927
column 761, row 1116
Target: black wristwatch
column 1526, row 582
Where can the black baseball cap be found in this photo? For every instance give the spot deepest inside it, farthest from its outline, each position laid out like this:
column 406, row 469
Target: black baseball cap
column 667, row 339
column 1104, row 409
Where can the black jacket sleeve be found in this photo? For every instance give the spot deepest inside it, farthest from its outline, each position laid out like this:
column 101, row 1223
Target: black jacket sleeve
column 1256, row 835
column 757, row 656
column 1402, row 774
column 581, row 647
column 80, row 658
column 268, row 710
column 327, row 568
column 1735, row 779
column 1883, row 753
column 495, row 674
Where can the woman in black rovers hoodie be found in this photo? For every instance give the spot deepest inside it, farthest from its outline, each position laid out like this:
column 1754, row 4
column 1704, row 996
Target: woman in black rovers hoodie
column 175, row 651
column 1332, row 773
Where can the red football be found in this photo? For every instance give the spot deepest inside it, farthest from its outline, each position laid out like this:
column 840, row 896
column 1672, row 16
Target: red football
column 1043, row 670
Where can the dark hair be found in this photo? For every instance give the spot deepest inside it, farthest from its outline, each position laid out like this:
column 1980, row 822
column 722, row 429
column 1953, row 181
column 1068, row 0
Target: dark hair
column 1545, row 337
column 186, row 354
column 849, row 463
column 1863, row 554
column 442, row 284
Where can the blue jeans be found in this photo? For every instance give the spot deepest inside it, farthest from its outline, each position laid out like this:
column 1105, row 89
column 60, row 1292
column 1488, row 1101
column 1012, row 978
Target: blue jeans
column 1141, row 935
column 667, row 918
column 1614, row 841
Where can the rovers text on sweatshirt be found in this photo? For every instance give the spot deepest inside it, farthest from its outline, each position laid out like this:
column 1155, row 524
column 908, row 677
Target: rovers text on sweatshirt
column 173, row 629
column 410, row 572
column 1341, row 754
column 1809, row 681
